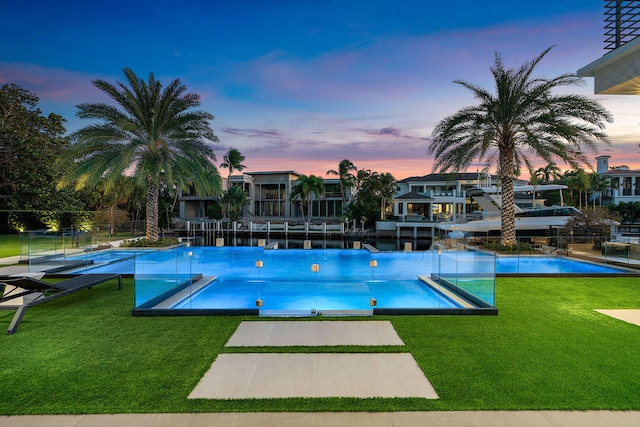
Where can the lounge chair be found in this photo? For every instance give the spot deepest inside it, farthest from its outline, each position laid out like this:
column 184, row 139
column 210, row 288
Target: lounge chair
column 40, row 291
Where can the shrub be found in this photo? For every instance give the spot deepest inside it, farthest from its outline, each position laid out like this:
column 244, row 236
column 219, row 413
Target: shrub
column 520, row 247
column 146, row 243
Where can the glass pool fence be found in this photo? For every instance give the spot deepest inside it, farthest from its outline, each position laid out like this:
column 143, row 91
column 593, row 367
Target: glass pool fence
column 247, row 280
column 262, row 279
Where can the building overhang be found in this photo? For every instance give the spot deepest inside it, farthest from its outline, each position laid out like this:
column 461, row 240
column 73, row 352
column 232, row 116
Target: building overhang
column 618, row 72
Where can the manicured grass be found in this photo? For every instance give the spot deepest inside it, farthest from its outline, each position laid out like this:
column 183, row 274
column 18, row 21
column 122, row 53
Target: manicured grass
column 9, row 245
column 547, row 349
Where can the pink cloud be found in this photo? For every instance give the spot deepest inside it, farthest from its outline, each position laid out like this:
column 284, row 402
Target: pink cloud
column 51, row 84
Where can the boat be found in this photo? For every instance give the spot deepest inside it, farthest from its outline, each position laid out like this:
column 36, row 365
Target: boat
column 532, row 217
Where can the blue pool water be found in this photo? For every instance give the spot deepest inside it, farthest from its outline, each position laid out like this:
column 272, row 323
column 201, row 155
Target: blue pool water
column 344, row 280
column 550, row 265
column 107, row 256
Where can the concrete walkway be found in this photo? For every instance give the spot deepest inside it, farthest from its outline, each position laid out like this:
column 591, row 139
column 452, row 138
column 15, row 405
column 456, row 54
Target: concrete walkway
column 626, row 315
column 280, row 375
column 284, row 334
column 342, row 419
column 313, row 375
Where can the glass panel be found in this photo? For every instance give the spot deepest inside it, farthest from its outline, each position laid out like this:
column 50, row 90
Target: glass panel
column 466, row 270
column 312, row 281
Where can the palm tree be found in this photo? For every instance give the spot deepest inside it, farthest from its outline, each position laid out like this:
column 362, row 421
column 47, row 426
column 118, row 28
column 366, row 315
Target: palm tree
column 303, row 190
column 524, row 116
column 152, row 134
column 599, row 184
column 578, row 181
column 346, row 177
column 386, row 187
column 361, row 178
column 234, row 199
column 547, row 173
column 233, row 161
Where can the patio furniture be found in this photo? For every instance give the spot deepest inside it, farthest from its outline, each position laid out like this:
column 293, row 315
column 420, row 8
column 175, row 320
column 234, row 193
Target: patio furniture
column 32, row 291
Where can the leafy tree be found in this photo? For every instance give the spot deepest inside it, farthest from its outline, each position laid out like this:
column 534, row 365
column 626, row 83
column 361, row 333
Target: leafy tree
column 523, row 116
column 346, row 177
column 115, row 193
column 304, row 189
column 153, row 133
column 590, row 222
column 29, row 146
column 629, row 212
column 374, row 193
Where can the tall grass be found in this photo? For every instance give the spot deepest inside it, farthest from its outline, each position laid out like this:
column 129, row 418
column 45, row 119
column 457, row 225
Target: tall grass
column 547, row 349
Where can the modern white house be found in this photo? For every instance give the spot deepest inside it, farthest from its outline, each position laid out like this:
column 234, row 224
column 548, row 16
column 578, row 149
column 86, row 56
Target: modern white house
column 438, row 197
column 423, row 202
column 625, row 182
column 268, row 196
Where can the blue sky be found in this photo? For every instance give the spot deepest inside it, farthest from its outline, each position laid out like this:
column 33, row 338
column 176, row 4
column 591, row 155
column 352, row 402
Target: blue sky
column 302, row 85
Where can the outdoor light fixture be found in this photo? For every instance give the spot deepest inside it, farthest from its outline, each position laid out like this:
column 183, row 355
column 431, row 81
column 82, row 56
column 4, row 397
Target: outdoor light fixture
column 259, row 263
column 259, row 302
column 315, row 267
column 373, row 263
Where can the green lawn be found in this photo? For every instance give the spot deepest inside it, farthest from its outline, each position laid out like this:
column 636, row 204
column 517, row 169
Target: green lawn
column 547, row 349
column 9, row 245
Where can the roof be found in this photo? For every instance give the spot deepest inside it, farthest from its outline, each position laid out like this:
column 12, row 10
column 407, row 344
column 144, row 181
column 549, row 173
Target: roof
column 412, row 195
column 461, row 176
column 274, row 173
column 617, row 72
column 622, row 172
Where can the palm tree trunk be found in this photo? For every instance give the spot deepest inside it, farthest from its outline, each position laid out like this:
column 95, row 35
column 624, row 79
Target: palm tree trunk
column 508, row 219
column 111, row 222
column 580, row 199
column 152, row 229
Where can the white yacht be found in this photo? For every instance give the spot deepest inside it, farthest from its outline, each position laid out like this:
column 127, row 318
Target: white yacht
column 531, row 217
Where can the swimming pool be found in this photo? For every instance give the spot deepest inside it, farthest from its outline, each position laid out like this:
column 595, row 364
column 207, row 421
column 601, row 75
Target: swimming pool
column 297, row 281
column 290, row 282
column 550, row 265
column 107, row 256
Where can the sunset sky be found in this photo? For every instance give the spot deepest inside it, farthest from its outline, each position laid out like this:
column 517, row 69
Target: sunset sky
column 301, row 85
